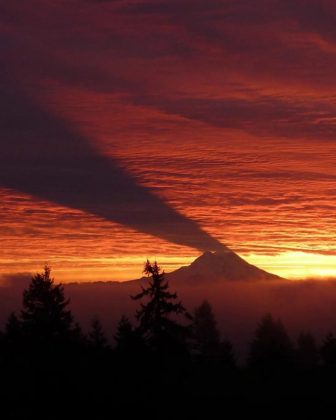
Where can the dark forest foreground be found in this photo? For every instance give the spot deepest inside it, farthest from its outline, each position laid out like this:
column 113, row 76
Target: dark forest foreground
column 170, row 364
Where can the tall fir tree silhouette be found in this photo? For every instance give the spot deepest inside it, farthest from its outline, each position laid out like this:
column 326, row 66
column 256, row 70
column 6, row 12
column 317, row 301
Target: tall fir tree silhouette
column 205, row 332
column 128, row 339
column 272, row 350
column 328, row 351
column 307, row 351
column 209, row 349
column 45, row 317
column 157, row 316
column 13, row 334
column 96, row 337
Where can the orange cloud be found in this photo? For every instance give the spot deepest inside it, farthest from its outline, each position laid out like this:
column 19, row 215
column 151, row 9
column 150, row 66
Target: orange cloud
column 224, row 110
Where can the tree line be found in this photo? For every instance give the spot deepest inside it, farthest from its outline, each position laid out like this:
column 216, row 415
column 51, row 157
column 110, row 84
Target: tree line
column 167, row 356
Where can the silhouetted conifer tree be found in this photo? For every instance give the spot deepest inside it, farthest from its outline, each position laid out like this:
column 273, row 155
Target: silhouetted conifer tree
column 226, row 355
column 47, row 340
column 2, row 344
column 156, row 317
column 205, row 332
column 127, row 338
column 307, row 351
column 13, row 328
column 45, row 317
column 272, row 350
column 97, row 338
column 328, row 351
column 215, row 358
column 13, row 333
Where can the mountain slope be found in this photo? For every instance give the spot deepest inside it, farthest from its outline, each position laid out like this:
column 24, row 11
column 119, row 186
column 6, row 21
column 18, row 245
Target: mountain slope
column 219, row 266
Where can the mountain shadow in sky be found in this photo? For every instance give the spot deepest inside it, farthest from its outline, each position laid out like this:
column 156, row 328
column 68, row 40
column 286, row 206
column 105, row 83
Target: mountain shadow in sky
column 42, row 156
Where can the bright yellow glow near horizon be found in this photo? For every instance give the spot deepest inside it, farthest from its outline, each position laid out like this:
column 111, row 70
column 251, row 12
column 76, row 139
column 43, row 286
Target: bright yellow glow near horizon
column 290, row 265
column 296, row 265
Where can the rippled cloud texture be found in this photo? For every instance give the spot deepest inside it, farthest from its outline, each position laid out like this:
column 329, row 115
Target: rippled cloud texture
column 221, row 113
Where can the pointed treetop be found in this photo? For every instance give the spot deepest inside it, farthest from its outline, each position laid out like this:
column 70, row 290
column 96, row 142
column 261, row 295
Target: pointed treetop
column 47, row 271
column 157, row 313
column 152, row 268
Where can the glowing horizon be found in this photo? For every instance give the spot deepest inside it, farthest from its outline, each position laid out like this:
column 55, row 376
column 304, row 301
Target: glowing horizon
column 289, row 265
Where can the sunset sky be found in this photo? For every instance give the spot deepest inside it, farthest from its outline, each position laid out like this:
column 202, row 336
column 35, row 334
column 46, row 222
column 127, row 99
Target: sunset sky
column 133, row 129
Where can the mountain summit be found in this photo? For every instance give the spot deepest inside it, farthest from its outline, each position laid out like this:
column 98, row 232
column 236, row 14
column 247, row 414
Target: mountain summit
column 219, row 266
